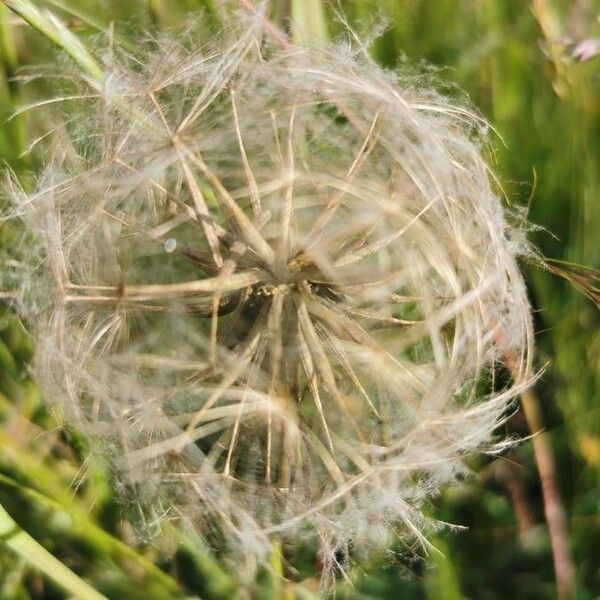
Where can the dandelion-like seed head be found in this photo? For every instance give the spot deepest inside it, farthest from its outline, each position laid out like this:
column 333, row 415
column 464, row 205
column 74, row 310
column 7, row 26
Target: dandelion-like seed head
column 277, row 285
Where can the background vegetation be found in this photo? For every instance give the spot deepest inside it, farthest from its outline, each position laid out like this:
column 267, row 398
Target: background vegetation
column 517, row 61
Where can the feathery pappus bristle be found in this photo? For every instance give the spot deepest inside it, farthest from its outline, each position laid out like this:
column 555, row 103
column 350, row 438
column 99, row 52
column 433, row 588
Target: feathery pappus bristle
column 275, row 287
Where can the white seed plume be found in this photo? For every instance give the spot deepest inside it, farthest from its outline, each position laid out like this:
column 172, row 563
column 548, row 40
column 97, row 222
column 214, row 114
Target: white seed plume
column 276, row 287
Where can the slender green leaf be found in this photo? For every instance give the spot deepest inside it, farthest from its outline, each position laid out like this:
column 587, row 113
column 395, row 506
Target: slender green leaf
column 31, row 551
column 309, row 25
column 57, row 32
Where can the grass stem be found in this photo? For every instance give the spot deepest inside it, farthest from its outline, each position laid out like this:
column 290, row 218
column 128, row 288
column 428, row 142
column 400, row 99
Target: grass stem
column 31, row 551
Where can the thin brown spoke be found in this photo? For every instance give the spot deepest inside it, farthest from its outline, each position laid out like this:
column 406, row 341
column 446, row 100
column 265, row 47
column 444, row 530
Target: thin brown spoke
column 286, row 209
column 140, row 293
column 198, row 198
column 252, row 186
column 323, row 365
column 379, row 244
column 274, row 332
column 247, row 228
column 227, row 69
column 157, row 234
column 311, row 377
column 230, row 378
column 201, row 208
column 337, row 196
column 344, row 360
column 256, row 361
column 347, row 329
column 194, row 216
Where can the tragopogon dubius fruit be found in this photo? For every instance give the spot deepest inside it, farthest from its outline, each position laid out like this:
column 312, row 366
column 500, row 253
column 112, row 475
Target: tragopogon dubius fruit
column 275, row 285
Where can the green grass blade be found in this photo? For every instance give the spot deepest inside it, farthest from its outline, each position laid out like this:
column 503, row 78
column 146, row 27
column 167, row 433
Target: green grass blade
column 81, row 14
column 31, row 551
column 14, row 130
column 56, row 31
column 309, row 24
column 104, row 543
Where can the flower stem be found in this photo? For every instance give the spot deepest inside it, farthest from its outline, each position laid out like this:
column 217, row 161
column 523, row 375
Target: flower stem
column 553, row 509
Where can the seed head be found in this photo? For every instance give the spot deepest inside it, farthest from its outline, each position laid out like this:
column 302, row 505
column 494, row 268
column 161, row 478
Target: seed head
column 275, row 287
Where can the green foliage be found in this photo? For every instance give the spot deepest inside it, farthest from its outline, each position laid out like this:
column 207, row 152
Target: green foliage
column 547, row 112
